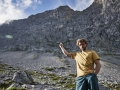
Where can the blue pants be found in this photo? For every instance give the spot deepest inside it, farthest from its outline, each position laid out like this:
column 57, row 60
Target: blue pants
column 86, row 82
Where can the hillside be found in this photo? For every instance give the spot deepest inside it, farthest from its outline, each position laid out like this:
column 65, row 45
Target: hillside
column 99, row 24
column 52, row 72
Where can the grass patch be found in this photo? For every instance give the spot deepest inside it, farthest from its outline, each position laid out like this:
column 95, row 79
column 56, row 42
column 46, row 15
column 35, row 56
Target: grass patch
column 14, row 88
column 5, row 70
column 73, row 75
column 63, row 60
column 49, row 69
column 54, row 80
column 4, row 86
column 70, row 85
column 113, row 86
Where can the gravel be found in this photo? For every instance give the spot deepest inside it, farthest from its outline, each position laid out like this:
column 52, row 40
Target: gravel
column 109, row 73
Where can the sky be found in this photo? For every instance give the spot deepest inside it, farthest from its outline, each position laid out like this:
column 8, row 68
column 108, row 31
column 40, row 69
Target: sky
column 20, row 9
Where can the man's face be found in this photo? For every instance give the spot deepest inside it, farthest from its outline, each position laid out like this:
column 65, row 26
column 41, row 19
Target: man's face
column 82, row 46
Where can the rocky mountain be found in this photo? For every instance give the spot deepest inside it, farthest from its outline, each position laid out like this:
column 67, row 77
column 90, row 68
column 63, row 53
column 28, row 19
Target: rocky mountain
column 99, row 24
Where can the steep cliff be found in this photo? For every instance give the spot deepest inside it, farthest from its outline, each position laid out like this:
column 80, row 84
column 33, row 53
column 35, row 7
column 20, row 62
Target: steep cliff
column 99, row 24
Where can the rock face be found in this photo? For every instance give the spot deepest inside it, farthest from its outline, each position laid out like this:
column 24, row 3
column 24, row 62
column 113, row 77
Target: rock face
column 98, row 1
column 99, row 24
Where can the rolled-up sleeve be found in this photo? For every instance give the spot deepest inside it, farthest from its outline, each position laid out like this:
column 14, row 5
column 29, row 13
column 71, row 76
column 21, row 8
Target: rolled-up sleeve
column 95, row 56
column 73, row 54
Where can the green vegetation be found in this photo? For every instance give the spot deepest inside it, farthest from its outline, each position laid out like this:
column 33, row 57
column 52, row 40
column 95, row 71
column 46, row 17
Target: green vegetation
column 62, row 60
column 6, row 69
column 73, row 75
column 113, row 86
column 48, row 78
column 2, row 68
column 4, row 86
column 14, row 88
column 52, row 79
column 49, row 69
column 70, row 85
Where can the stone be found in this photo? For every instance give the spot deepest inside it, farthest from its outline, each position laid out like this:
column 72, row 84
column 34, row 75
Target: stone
column 22, row 77
column 15, row 85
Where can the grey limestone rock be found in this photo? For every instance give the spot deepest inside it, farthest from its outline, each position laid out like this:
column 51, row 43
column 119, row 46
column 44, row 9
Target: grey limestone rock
column 22, row 77
column 99, row 24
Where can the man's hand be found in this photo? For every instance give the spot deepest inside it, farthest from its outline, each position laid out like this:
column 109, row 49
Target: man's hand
column 60, row 45
column 64, row 50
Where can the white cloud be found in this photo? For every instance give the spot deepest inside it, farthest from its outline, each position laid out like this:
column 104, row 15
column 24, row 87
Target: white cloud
column 34, row 6
column 23, row 4
column 10, row 10
column 82, row 4
column 38, row 1
column 15, row 9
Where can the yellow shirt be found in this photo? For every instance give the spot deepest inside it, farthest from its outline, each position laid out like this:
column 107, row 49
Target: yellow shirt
column 85, row 61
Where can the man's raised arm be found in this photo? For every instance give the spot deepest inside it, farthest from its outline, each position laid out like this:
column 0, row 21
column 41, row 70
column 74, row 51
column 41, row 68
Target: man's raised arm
column 64, row 50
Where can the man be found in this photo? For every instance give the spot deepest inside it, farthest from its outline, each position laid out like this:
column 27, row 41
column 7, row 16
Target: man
column 85, row 60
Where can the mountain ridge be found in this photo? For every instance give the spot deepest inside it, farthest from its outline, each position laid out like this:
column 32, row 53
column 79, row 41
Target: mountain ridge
column 44, row 31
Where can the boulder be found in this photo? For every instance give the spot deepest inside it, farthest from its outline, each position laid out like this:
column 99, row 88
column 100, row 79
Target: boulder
column 22, row 77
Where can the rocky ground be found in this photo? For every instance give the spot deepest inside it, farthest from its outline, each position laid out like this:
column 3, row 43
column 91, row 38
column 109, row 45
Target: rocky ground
column 57, row 73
